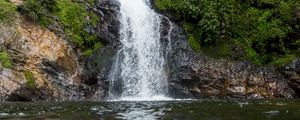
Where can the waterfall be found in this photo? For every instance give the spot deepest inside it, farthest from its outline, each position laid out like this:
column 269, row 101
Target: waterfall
column 139, row 71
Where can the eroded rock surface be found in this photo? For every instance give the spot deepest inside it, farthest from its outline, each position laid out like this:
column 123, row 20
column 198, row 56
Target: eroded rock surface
column 32, row 49
column 212, row 78
column 10, row 81
column 292, row 74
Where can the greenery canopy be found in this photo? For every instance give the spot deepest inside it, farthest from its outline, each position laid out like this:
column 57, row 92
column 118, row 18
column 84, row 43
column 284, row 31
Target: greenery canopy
column 267, row 30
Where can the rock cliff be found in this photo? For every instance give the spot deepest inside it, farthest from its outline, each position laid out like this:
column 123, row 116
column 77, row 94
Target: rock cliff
column 48, row 67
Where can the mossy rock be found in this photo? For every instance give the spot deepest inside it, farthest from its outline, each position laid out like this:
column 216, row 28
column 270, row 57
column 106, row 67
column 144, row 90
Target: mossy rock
column 30, row 84
column 5, row 60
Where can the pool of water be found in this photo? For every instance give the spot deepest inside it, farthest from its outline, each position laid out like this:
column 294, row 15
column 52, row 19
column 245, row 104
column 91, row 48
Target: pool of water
column 169, row 110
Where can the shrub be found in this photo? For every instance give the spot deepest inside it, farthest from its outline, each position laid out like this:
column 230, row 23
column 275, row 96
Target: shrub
column 265, row 29
column 73, row 17
column 5, row 60
column 38, row 10
column 7, row 11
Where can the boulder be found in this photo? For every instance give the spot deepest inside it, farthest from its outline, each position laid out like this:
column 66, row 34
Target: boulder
column 212, row 78
column 292, row 74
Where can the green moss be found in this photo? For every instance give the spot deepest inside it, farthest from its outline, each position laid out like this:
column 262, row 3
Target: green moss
column 30, row 80
column 5, row 60
column 7, row 11
column 195, row 44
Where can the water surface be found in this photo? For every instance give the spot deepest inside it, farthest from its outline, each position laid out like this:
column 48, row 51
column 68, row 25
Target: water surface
column 169, row 110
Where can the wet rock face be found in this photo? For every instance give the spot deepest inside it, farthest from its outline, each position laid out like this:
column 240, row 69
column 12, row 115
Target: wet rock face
column 179, row 57
column 292, row 74
column 96, row 71
column 97, row 67
column 108, row 27
column 212, row 78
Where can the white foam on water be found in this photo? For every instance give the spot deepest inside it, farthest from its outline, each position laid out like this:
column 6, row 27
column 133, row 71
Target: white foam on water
column 148, row 99
column 152, row 98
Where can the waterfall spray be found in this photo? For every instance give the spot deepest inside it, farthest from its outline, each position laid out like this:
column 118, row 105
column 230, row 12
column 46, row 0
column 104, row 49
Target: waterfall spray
column 139, row 69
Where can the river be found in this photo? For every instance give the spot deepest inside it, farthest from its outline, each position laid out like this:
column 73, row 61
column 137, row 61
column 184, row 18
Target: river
column 153, row 110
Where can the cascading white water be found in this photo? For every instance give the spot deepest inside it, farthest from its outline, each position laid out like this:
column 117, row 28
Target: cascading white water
column 139, row 70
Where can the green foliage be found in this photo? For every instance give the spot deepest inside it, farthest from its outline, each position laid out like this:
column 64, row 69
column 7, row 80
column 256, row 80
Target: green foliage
column 265, row 29
column 195, row 44
column 91, row 2
column 184, row 8
column 38, row 10
column 5, row 60
column 284, row 60
column 210, row 19
column 91, row 50
column 30, row 80
column 7, row 11
column 223, row 48
column 72, row 16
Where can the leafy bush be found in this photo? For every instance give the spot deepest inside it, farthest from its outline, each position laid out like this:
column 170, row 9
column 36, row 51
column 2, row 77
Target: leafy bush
column 5, row 60
column 7, row 11
column 265, row 29
column 73, row 17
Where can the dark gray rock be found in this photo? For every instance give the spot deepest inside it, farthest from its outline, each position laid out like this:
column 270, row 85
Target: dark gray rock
column 59, row 79
column 109, row 24
column 292, row 74
column 97, row 68
column 179, row 57
column 26, row 94
column 213, row 78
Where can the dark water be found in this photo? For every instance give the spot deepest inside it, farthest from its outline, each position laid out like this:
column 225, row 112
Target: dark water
column 171, row 110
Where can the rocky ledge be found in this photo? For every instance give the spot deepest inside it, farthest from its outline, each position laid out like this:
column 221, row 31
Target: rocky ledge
column 211, row 78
